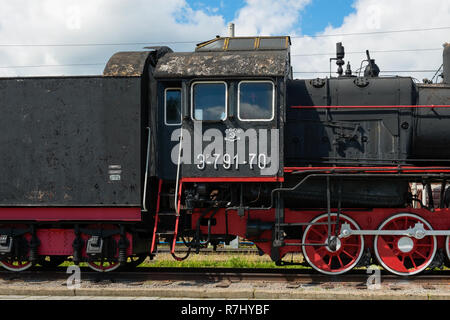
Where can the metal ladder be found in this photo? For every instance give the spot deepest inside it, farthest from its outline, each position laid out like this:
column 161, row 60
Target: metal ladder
column 162, row 220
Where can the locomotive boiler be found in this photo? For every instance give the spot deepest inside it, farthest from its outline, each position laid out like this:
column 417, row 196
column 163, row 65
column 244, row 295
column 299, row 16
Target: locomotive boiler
column 204, row 146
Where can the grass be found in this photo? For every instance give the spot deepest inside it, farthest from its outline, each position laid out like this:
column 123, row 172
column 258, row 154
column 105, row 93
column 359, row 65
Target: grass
column 244, row 261
column 221, row 260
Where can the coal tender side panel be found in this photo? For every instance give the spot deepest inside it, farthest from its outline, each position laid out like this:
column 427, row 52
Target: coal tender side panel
column 70, row 141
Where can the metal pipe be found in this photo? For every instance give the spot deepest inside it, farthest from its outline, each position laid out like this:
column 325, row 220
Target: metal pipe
column 231, row 30
column 329, row 207
column 322, row 173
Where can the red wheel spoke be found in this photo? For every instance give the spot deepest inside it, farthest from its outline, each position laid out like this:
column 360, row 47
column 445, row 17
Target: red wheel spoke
column 320, row 249
column 316, row 241
column 413, row 262
column 340, row 261
column 324, row 259
column 396, row 225
column 420, row 254
column 348, row 254
column 393, row 252
column 17, row 266
column 351, row 245
column 329, row 262
column 316, row 232
column 103, row 265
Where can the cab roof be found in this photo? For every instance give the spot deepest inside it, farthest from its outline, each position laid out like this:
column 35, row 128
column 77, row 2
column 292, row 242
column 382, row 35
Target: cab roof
column 229, row 57
column 245, row 44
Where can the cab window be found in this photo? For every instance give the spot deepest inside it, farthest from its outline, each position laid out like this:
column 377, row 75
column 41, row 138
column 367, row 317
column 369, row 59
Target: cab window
column 172, row 107
column 209, row 101
column 256, row 100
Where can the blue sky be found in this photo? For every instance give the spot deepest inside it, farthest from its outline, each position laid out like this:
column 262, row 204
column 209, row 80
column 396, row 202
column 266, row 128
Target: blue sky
column 225, row 8
column 321, row 13
column 316, row 16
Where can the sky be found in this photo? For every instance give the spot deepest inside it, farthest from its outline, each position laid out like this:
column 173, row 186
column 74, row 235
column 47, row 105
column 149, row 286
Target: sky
column 77, row 37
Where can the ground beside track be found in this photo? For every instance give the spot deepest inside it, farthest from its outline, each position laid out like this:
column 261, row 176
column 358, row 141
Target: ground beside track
column 222, row 290
column 155, row 285
column 164, row 283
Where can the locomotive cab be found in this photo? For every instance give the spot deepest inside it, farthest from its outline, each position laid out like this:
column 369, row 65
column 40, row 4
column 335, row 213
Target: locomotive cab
column 232, row 93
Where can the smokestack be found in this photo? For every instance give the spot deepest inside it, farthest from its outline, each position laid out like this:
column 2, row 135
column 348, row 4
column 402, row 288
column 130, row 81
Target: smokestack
column 231, row 30
column 446, row 61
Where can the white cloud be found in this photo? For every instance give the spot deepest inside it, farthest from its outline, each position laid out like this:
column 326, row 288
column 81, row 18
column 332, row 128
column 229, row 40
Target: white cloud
column 99, row 21
column 268, row 17
column 376, row 16
column 119, row 21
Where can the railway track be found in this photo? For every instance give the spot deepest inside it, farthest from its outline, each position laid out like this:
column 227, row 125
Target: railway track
column 225, row 274
column 222, row 283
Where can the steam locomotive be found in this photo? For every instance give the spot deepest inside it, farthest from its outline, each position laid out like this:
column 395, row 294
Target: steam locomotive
column 200, row 147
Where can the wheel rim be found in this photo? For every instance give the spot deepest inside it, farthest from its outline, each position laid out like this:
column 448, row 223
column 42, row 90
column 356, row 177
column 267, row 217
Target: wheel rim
column 404, row 255
column 447, row 247
column 103, row 266
column 15, row 265
column 348, row 250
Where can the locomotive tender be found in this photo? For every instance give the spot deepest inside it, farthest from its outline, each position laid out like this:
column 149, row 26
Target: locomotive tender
column 222, row 142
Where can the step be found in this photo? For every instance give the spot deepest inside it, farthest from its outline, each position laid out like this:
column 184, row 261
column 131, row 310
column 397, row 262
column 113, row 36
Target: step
column 165, row 194
column 165, row 233
column 173, row 214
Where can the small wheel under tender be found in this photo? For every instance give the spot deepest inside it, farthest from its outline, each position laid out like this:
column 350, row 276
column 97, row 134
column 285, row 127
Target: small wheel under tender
column 15, row 265
column 403, row 255
column 103, row 265
column 346, row 254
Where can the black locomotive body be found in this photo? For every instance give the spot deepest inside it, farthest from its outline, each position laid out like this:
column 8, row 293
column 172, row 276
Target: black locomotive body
column 223, row 142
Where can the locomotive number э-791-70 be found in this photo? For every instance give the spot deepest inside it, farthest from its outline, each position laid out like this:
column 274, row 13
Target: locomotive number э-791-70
column 228, row 161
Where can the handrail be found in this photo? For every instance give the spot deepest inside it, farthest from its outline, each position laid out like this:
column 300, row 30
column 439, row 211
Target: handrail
column 177, row 208
column 144, row 198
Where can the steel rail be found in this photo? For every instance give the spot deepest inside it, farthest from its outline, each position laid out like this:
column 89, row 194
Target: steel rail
column 225, row 274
